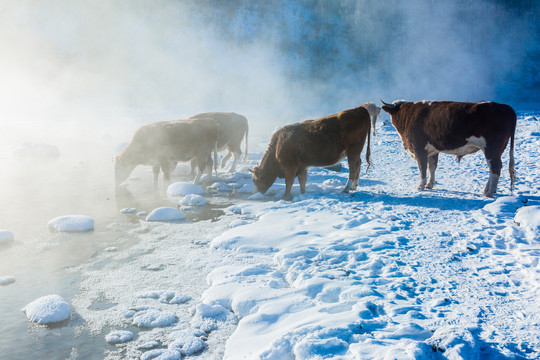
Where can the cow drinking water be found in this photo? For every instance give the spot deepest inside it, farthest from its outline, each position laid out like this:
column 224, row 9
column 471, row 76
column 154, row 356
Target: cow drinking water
column 321, row 142
column 458, row 128
column 232, row 130
column 163, row 144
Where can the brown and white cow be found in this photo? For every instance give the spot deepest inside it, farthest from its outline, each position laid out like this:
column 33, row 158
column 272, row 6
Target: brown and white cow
column 458, row 128
column 232, row 130
column 321, row 142
column 374, row 112
column 163, row 144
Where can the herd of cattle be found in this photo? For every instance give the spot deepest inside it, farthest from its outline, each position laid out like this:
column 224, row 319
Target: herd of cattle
column 426, row 128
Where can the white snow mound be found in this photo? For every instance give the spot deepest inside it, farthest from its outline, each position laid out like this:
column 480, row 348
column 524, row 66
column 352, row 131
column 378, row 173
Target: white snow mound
column 183, row 189
column 193, row 200
column 165, row 214
column 47, row 309
column 6, row 236
column 71, row 223
column 528, row 216
column 119, row 336
column 6, row 280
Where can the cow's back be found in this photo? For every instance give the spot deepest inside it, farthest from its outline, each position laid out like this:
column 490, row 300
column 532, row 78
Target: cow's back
column 323, row 141
column 233, row 126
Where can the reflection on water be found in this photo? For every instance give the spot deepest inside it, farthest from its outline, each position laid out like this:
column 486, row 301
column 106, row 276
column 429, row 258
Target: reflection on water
column 31, row 194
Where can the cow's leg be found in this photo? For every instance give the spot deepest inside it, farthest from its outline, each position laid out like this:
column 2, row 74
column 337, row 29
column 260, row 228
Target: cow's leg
column 209, row 164
column 225, row 159
column 422, row 160
column 155, row 171
column 198, row 169
column 193, row 167
column 302, row 179
column 495, row 166
column 290, row 174
column 167, row 170
column 353, row 158
column 432, row 166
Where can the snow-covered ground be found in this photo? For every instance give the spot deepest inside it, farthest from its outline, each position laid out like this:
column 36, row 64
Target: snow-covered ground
column 385, row 272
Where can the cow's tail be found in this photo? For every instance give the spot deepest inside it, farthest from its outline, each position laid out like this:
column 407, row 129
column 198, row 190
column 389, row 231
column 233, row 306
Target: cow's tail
column 368, row 150
column 511, row 162
column 244, row 159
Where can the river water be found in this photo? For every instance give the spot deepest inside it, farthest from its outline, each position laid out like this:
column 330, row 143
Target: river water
column 34, row 191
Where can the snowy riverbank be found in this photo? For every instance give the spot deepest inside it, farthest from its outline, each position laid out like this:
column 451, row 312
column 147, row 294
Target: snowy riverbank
column 386, row 272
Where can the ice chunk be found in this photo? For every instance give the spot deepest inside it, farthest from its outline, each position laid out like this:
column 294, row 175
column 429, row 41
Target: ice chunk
column 6, row 280
column 208, row 317
column 221, row 186
column 6, row 236
column 153, row 318
column 71, row 223
column 186, row 342
column 184, row 188
column 166, row 214
column 119, row 336
column 193, row 200
column 47, row 309
column 128, row 211
column 247, row 189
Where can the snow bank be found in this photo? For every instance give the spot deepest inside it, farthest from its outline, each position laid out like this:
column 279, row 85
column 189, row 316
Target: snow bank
column 528, row 216
column 36, row 151
column 119, row 336
column 165, row 214
column 6, row 236
column 183, row 189
column 151, row 317
column 71, row 223
column 47, row 309
column 6, row 280
column 193, row 200
column 504, row 205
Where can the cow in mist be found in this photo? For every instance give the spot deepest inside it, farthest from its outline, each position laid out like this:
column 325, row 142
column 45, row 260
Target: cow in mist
column 321, row 142
column 163, row 144
column 232, row 130
column 374, row 112
column 458, row 128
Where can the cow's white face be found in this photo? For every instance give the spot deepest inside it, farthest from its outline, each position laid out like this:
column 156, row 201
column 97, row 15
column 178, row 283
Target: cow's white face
column 261, row 182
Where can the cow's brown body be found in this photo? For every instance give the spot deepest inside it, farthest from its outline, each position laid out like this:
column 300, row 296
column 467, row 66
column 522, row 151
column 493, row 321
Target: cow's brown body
column 320, row 142
column 457, row 128
column 232, row 130
column 163, row 144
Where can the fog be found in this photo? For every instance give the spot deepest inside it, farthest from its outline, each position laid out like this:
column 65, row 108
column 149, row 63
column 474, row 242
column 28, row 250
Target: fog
column 84, row 76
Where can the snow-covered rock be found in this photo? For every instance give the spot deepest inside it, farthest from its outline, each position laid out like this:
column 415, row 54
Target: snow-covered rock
column 183, row 189
column 47, row 309
column 153, row 318
column 119, row 336
column 193, row 200
column 6, row 280
column 71, row 223
column 6, row 236
column 166, row 214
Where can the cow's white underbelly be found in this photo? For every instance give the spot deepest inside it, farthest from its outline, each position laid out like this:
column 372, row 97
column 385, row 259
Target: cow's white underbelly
column 473, row 145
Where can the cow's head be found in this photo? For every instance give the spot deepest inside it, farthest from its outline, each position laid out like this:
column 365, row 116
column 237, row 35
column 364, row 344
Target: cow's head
column 392, row 108
column 261, row 182
column 121, row 171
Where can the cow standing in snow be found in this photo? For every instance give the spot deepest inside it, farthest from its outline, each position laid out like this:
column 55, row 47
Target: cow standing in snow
column 163, row 144
column 458, row 128
column 232, row 130
column 321, row 142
